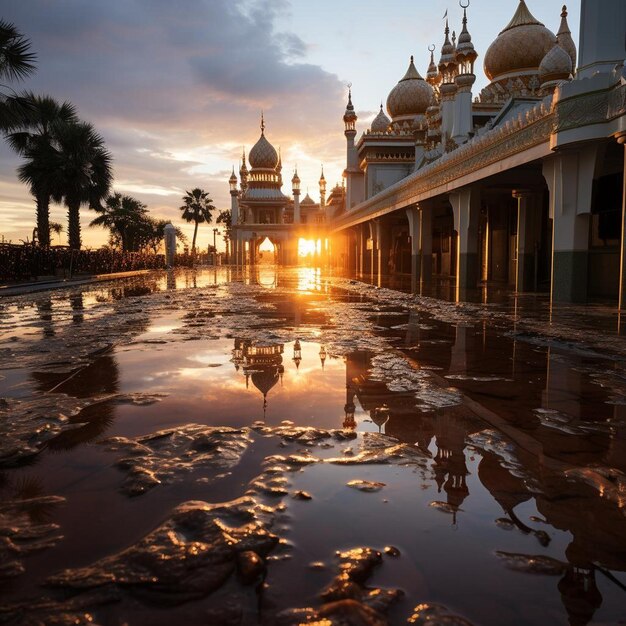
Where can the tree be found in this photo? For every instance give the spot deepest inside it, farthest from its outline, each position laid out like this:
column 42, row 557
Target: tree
column 16, row 63
column 35, row 139
column 225, row 217
column 125, row 217
column 56, row 228
column 84, row 173
column 197, row 208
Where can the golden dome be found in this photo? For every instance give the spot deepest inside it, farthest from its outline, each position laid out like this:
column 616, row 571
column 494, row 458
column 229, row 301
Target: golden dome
column 381, row 122
column 263, row 154
column 556, row 65
column 520, row 47
column 411, row 96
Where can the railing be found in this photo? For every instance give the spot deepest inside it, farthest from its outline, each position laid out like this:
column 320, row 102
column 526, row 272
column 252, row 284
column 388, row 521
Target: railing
column 27, row 262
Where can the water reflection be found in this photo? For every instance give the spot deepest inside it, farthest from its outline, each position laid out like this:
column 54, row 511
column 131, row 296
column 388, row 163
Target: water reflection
column 555, row 477
column 261, row 364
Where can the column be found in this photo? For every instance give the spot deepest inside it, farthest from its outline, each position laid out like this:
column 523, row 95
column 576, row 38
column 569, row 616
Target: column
column 413, row 217
column 426, row 244
column 621, row 138
column 601, row 41
column 466, row 208
column 526, row 240
column 374, row 251
column 383, row 240
column 570, row 177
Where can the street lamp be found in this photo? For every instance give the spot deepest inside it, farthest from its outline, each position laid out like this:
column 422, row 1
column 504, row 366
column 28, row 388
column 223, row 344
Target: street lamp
column 215, row 231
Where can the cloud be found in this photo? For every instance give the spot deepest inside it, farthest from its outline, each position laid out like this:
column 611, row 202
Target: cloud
column 176, row 90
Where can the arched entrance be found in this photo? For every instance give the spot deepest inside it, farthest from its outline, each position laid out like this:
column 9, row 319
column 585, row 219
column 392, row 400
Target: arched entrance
column 267, row 251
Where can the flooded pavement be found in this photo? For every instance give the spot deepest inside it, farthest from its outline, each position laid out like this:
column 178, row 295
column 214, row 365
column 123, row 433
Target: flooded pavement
column 281, row 446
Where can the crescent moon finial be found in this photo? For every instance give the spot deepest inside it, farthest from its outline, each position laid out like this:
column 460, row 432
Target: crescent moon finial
column 431, row 48
column 464, row 6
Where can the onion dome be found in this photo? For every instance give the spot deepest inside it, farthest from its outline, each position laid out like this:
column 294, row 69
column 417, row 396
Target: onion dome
column 381, row 122
column 410, row 97
column 564, row 37
column 263, row 154
column 433, row 77
column 555, row 66
column 465, row 52
column 520, row 47
column 349, row 115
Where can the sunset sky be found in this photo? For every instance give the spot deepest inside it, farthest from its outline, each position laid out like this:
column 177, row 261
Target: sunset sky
column 176, row 88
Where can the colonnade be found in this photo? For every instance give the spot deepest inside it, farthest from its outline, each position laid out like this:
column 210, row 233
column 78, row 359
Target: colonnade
column 553, row 217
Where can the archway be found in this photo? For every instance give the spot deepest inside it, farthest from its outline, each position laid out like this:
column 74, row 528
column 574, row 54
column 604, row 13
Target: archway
column 267, row 251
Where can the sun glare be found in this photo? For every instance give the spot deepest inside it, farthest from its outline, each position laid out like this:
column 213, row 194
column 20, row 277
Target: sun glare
column 308, row 247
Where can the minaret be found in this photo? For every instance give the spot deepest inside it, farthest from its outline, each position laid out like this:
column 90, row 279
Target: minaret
column 295, row 188
column 349, row 120
column 447, row 69
column 234, row 198
column 465, row 57
column 243, row 172
column 601, row 40
column 322, row 189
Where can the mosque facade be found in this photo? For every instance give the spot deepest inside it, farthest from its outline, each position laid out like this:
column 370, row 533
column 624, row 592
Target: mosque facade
column 519, row 186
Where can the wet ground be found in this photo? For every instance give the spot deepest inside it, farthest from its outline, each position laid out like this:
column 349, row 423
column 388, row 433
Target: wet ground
column 285, row 447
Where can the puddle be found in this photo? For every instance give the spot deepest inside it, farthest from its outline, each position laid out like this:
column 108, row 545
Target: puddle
column 299, row 446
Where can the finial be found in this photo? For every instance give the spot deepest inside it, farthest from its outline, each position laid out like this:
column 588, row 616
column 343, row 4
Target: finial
column 381, row 105
column 262, row 122
column 454, row 38
column 564, row 11
column 411, row 58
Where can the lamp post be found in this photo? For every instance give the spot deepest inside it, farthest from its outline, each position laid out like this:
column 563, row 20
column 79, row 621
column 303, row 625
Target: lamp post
column 215, row 230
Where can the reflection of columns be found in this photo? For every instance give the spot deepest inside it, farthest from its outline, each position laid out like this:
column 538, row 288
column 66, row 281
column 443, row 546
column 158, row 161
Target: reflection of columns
column 570, row 176
column 458, row 359
column 622, row 281
column 466, row 207
column 526, row 240
column 362, row 238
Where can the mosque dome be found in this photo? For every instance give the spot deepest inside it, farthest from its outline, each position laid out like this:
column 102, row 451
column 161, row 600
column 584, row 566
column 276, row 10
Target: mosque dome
column 520, row 47
column 381, row 122
column 263, row 154
column 307, row 200
column 411, row 96
column 556, row 65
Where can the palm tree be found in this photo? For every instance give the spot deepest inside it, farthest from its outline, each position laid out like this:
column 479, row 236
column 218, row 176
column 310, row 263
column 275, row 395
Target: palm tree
column 35, row 139
column 84, row 173
column 56, row 228
column 225, row 217
column 16, row 63
column 124, row 216
column 197, row 208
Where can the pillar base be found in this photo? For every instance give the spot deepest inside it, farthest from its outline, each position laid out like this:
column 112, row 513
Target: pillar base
column 569, row 276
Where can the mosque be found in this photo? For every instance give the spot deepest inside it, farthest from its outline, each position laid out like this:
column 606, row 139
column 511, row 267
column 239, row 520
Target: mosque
column 520, row 186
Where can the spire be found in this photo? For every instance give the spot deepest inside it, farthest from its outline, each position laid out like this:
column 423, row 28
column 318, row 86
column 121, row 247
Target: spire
column 564, row 37
column 262, row 123
column 349, row 117
column 322, row 176
column 522, row 17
